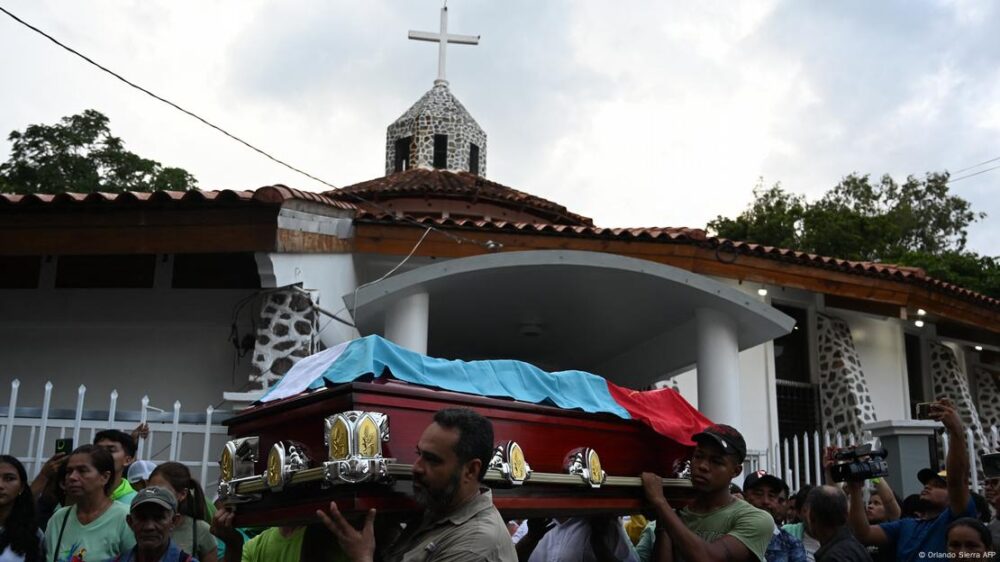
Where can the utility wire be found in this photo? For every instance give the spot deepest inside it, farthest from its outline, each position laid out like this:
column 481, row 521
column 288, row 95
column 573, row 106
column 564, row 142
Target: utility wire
column 977, row 165
column 960, row 178
column 489, row 245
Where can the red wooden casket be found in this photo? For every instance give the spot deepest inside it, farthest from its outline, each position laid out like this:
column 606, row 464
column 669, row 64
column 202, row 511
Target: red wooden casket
column 545, row 435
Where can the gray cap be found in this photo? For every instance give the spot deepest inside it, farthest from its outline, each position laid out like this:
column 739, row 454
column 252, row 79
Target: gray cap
column 155, row 494
column 140, row 470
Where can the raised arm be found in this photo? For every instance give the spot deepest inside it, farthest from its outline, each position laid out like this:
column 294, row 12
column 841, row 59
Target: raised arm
column 957, row 462
column 884, row 491
column 858, row 520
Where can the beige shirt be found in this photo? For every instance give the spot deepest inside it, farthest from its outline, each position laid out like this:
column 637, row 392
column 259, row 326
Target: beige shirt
column 474, row 532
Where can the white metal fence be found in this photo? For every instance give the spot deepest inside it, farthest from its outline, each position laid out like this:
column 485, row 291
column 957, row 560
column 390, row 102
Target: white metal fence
column 192, row 438
column 799, row 460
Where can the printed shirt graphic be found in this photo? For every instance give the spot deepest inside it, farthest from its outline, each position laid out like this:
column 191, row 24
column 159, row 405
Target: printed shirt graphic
column 101, row 539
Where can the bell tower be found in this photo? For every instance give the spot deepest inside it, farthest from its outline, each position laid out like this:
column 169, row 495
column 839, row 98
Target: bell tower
column 437, row 132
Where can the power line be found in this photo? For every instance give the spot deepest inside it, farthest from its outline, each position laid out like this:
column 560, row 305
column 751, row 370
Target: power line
column 960, row 178
column 489, row 245
column 977, row 165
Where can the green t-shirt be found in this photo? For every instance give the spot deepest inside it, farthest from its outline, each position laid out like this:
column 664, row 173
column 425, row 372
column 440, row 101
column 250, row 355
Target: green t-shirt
column 751, row 526
column 124, row 494
column 271, row 546
column 101, row 539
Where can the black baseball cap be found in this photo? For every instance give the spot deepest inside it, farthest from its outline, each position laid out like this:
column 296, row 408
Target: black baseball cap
column 725, row 436
column 928, row 474
column 762, row 478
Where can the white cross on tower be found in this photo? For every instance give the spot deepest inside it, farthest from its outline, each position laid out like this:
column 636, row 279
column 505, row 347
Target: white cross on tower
column 442, row 39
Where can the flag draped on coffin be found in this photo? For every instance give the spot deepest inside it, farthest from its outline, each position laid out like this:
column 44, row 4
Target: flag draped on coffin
column 665, row 411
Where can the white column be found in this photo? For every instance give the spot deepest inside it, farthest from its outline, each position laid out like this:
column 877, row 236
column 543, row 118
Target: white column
column 718, row 367
column 406, row 322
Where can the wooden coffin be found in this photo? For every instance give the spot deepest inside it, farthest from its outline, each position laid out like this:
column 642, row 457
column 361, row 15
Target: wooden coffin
column 545, row 435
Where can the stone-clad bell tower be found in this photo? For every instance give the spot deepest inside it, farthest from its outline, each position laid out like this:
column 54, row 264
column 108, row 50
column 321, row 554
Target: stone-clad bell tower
column 437, row 132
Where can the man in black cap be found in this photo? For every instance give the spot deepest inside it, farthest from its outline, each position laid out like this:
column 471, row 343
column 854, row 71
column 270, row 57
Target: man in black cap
column 945, row 498
column 715, row 526
column 770, row 493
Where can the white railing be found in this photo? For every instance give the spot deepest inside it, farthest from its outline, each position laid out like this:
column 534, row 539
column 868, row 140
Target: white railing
column 799, row 460
column 29, row 433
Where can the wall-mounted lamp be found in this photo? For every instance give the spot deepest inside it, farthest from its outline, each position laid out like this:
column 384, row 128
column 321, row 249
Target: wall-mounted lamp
column 762, row 292
column 921, row 312
column 919, row 323
column 979, row 348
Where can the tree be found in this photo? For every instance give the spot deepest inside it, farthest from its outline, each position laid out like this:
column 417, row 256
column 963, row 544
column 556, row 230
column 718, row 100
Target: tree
column 79, row 154
column 917, row 223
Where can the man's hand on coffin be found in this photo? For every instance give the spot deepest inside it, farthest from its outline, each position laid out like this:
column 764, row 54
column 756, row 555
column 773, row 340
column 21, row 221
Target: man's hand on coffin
column 358, row 545
column 652, row 487
column 222, row 526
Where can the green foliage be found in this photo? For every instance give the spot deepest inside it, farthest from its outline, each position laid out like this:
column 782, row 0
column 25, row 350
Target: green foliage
column 917, row 223
column 79, row 154
column 774, row 219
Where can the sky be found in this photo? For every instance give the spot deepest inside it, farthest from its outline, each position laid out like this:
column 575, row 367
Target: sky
column 635, row 113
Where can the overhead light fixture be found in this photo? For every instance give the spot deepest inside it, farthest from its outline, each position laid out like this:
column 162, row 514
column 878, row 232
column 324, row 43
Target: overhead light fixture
column 979, row 348
column 921, row 312
column 762, row 292
column 919, row 323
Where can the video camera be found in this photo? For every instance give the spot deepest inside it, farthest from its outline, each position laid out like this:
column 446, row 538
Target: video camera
column 857, row 464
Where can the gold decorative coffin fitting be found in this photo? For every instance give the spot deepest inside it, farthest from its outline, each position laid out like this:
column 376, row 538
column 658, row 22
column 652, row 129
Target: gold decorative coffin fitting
column 354, row 447
column 509, row 459
column 285, row 458
column 585, row 463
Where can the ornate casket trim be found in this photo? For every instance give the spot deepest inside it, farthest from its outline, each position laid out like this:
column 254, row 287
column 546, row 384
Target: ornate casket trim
column 585, row 463
column 354, row 447
column 508, row 458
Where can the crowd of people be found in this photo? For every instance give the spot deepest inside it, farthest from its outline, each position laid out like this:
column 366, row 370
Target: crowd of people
column 96, row 504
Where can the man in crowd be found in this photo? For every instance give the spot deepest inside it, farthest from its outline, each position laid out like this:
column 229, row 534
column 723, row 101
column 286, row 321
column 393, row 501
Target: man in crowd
column 459, row 521
column 576, row 539
column 945, row 498
column 716, row 526
column 122, row 449
column 152, row 518
column 826, row 518
column 770, row 493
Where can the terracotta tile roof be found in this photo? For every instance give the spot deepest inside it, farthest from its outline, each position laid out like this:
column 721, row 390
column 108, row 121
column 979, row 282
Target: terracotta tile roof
column 420, row 182
column 272, row 194
column 696, row 236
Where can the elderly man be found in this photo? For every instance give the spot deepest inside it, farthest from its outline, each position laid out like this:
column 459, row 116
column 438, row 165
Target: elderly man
column 152, row 518
column 459, row 521
column 770, row 493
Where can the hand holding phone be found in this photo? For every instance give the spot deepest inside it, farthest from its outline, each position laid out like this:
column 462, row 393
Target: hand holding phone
column 64, row 446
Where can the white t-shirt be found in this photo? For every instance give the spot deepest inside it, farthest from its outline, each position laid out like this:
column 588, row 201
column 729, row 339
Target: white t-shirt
column 570, row 542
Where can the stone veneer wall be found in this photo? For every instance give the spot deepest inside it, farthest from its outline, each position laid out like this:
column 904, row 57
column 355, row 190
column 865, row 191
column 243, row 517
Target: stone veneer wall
column 285, row 334
column 949, row 380
column 989, row 398
column 438, row 112
column 845, row 401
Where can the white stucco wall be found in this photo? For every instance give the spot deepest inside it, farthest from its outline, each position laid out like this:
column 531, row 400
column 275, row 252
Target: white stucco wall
column 880, row 345
column 170, row 344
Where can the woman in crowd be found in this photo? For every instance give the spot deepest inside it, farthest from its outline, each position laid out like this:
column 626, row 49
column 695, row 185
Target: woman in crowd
column 883, row 506
column 93, row 527
column 193, row 533
column 969, row 538
column 20, row 539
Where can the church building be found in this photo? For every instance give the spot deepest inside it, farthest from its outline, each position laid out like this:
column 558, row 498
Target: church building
column 209, row 297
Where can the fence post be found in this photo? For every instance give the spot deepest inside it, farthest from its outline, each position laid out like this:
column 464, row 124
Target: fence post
column 142, row 419
column 787, row 467
column 806, row 465
column 819, row 459
column 12, row 408
column 206, row 447
column 40, row 444
column 112, row 408
column 795, row 463
column 78, row 418
column 173, row 431
column 944, row 445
